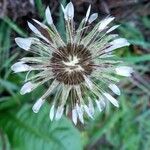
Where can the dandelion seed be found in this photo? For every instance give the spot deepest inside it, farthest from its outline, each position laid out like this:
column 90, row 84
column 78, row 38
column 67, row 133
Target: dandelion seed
column 74, row 116
column 87, row 13
column 111, row 99
column 124, row 71
column 24, row 43
column 93, row 17
column 36, row 107
column 75, row 67
column 20, row 67
column 80, row 113
column 48, row 16
column 59, row 112
column 27, row 88
column 91, row 107
column 52, row 113
column 114, row 88
column 87, row 110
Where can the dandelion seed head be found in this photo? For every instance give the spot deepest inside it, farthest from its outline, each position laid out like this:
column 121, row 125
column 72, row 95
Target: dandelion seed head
column 81, row 69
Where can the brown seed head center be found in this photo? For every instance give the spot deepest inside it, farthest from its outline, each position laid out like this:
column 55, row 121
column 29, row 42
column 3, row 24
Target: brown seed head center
column 71, row 63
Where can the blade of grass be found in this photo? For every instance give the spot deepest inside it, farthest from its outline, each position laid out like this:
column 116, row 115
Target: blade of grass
column 8, row 61
column 40, row 8
column 137, row 59
column 61, row 23
column 139, row 42
column 15, row 27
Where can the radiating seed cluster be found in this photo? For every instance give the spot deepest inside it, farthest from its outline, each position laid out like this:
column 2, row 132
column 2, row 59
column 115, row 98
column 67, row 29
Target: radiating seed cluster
column 81, row 70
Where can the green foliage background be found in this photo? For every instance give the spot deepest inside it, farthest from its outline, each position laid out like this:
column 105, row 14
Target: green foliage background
column 126, row 128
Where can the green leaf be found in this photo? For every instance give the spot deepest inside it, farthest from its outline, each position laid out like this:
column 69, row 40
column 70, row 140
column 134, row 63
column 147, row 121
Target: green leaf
column 27, row 131
column 137, row 59
column 4, row 143
column 110, row 123
column 8, row 85
column 17, row 100
column 131, row 32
